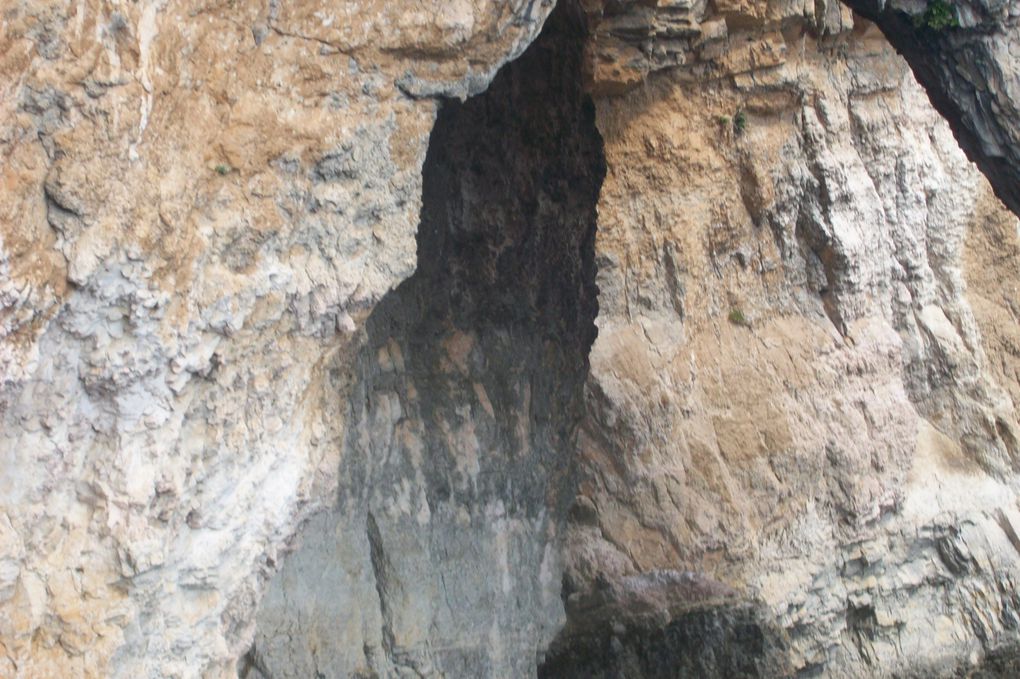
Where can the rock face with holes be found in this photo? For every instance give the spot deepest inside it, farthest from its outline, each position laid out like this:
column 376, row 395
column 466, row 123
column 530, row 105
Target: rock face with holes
column 686, row 345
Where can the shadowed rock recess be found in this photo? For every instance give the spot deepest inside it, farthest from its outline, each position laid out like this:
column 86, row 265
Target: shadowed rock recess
column 441, row 556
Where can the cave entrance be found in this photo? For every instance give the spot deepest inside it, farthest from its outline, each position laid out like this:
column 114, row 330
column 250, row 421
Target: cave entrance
column 441, row 555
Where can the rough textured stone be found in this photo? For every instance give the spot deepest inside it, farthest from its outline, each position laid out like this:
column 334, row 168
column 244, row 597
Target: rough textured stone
column 223, row 364
column 444, row 545
column 789, row 392
column 202, row 202
column 965, row 54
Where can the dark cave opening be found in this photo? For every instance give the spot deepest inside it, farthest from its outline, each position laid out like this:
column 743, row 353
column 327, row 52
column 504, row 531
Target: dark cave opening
column 506, row 265
column 458, row 466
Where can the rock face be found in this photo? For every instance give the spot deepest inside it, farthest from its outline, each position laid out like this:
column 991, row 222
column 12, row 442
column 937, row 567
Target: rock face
column 965, row 54
column 201, row 205
column 790, row 393
column 253, row 425
column 442, row 554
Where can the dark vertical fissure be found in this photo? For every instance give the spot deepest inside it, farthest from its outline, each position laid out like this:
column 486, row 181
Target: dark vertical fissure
column 466, row 401
column 504, row 295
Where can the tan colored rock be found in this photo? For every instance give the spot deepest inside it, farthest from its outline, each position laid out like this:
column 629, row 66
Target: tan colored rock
column 799, row 420
column 201, row 204
column 789, row 393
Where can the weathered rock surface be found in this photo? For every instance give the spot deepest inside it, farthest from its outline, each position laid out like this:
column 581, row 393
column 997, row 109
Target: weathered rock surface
column 442, row 555
column 790, row 393
column 233, row 383
column 966, row 54
column 202, row 202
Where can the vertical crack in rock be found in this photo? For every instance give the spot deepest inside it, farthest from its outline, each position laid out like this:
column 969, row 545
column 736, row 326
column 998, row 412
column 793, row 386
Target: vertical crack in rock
column 462, row 424
column 379, row 573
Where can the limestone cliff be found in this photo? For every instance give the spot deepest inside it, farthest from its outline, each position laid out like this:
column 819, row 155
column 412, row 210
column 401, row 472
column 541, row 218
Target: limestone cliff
column 965, row 53
column 790, row 392
column 498, row 338
column 203, row 201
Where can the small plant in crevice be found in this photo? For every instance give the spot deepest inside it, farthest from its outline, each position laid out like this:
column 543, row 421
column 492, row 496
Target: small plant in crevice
column 737, row 317
column 937, row 16
column 222, row 169
column 724, row 121
column 739, row 122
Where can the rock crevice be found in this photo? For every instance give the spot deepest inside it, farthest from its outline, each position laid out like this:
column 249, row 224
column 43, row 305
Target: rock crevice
column 466, row 401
